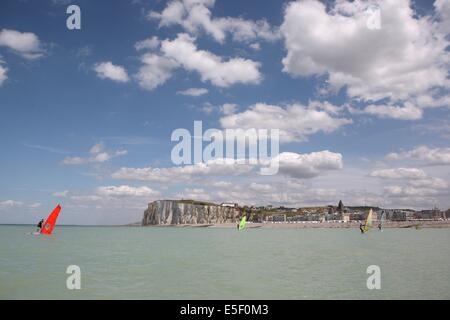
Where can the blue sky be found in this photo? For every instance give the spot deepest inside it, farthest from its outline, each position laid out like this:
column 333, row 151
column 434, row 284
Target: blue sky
column 363, row 112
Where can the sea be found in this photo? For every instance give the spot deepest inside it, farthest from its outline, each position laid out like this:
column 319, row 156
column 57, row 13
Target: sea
column 223, row 263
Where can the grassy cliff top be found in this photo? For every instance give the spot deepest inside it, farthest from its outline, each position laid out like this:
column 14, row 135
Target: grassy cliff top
column 196, row 202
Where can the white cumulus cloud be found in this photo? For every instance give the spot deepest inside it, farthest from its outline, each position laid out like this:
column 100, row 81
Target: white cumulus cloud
column 295, row 121
column 193, row 92
column 195, row 17
column 210, row 67
column 25, row 44
column 126, row 191
column 430, row 156
column 406, row 112
column 3, row 74
column 97, row 154
column 308, row 165
column 299, row 166
column 399, row 173
column 155, row 70
column 150, row 43
column 400, row 61
column 108, row 70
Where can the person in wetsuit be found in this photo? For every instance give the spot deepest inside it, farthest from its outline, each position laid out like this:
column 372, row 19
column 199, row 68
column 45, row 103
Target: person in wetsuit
column 39, row 225
column 361, row 227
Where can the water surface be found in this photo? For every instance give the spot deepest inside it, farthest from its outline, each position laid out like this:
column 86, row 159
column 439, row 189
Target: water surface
column 213, row 263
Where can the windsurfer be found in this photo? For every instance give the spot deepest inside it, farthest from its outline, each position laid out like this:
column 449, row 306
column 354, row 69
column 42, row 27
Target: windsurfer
column 361, row 227
column 39, row 225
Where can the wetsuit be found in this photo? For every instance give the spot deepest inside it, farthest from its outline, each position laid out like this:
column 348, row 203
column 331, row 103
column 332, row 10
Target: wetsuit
column 39, row 225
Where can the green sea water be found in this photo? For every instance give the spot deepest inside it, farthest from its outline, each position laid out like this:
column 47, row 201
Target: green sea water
column 214, row 263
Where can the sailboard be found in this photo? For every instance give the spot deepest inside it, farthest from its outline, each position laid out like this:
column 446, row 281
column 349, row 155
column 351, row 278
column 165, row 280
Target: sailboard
column 242, row 222
column 49, row 224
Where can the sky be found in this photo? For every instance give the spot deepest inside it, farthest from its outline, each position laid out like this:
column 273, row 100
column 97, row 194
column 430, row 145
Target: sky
column 359, row 92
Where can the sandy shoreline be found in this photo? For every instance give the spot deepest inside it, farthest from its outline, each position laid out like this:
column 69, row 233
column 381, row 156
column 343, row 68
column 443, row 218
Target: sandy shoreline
column 318, row 225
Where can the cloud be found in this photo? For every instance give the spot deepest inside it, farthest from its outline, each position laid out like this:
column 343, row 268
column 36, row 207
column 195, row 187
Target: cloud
column 155, row 70
column 287, row 193
column 406, row 112
column 193, row 92
column 181, row 52
column 109, row 198
column 433, row 183
column 25, row 44
column 443, row 11
column 259, row 187
column 399, row 173
column 255, row 46
column 221, row 184
column 417, row 187
column 194, row 193
column 402, row 60
column 126, row 191
column 299, row 166
column 61, row 194
column 107, row 70
column 309, row 165
column 295, row 121
column 3, row 74
column 10, row 203
column 430, row 156
column 430, row 101
column 97, row 155
column 195, row 17
column 209, row 66
column 411, row 191
column 219, row 167
column 228, row 108
column 96, row 148
column 150, row 43
column 207, row 108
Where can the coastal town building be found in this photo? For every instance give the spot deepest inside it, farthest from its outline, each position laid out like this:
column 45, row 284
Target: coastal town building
column 433, row 214
column 279, row 218
column 340, row 207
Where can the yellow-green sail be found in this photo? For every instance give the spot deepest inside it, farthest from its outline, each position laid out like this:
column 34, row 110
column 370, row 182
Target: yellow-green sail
column 242, row 223
column 368, row 222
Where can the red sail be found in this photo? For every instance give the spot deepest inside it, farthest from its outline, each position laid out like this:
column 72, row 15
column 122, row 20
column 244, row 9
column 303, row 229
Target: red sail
column 48, row 226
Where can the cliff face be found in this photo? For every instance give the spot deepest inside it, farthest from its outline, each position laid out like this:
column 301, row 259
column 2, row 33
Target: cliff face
column 172, row 212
